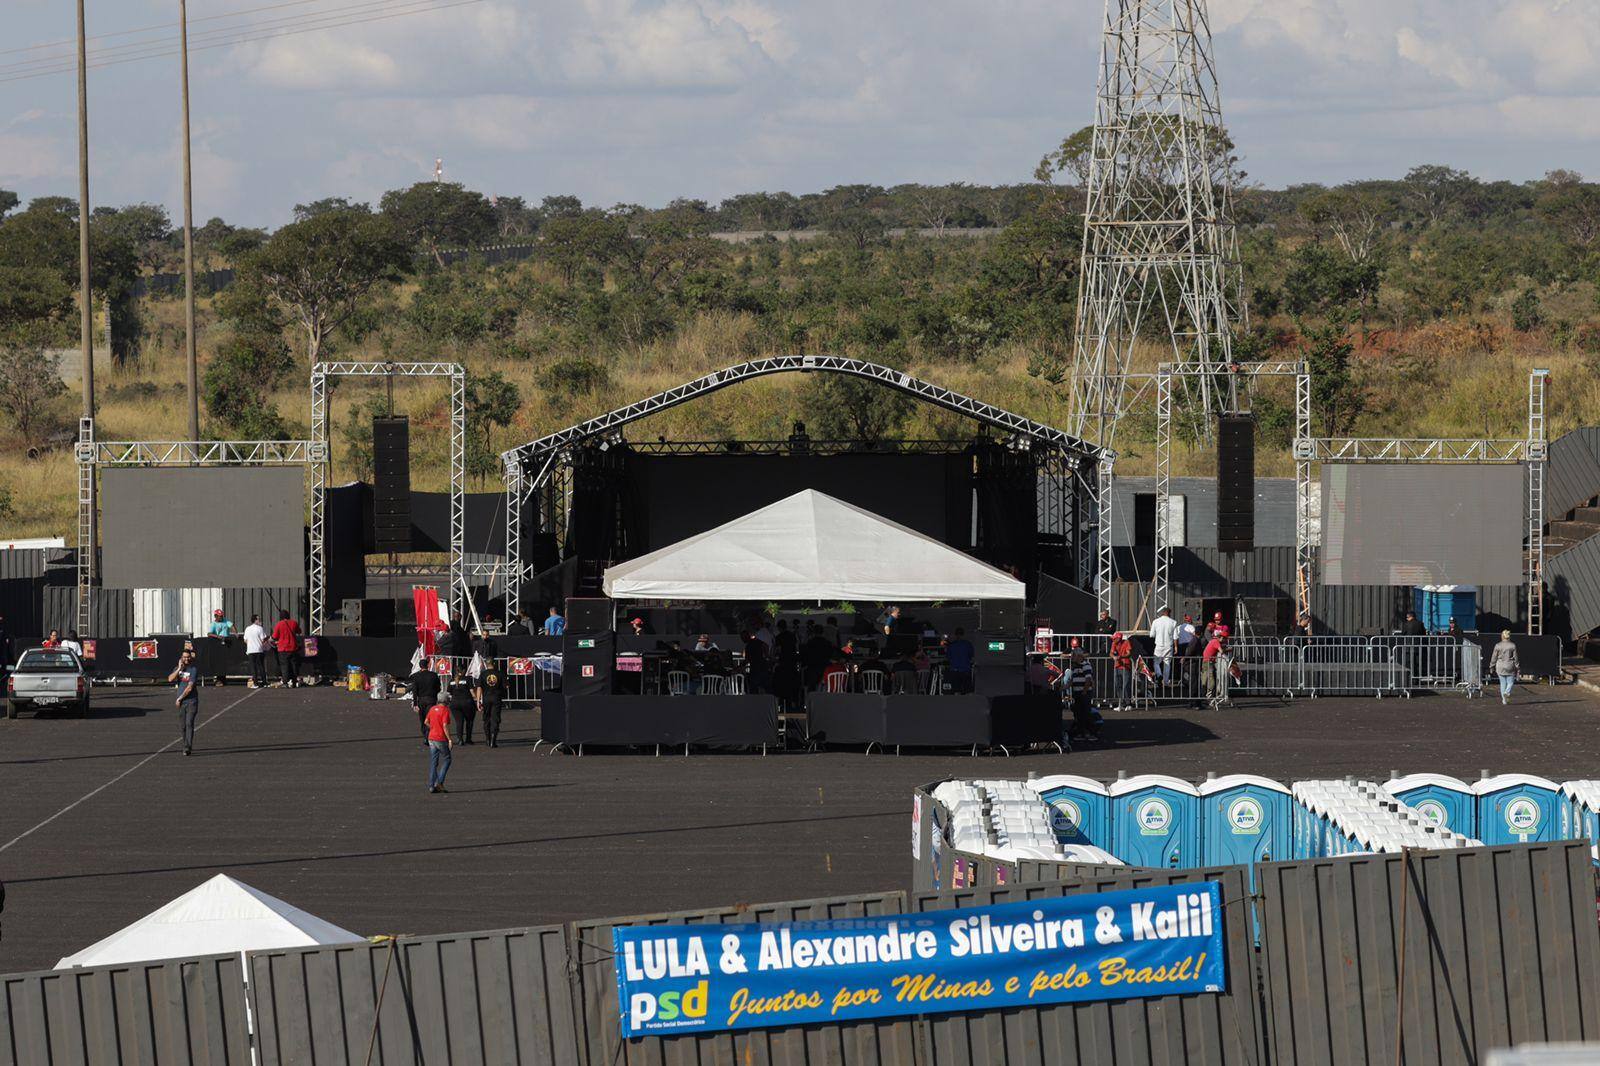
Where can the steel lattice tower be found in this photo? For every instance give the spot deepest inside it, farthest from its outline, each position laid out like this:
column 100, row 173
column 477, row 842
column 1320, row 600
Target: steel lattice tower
column 1160, row 254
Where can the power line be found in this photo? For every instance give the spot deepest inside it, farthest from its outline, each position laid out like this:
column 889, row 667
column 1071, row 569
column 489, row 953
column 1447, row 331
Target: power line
column 170, row 48
column 306, row 18
column 162, row 26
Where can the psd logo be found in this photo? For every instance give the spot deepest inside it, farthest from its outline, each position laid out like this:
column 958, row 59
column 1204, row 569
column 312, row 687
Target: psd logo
column 1154, row 817
column 1522, row 816
column 1066, row 818
column 519, row 667
column 1246, row 816
column 669, row 1006
column 142, row 649
column 1434, row 812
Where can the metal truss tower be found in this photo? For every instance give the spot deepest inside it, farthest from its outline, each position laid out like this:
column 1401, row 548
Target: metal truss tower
column 1160, row 254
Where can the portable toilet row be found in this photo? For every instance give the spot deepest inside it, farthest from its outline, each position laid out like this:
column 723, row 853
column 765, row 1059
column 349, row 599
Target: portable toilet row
column 1155, row 821
column 1518, row 809
column 1080, row 809
column 1580, row 813
column 1244, row 820
column 1352, row 817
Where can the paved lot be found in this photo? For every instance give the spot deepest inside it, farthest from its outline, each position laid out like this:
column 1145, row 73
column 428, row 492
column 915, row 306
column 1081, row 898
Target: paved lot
column 318, row 797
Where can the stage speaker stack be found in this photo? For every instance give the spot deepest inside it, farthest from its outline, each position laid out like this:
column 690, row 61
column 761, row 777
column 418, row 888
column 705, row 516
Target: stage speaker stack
column 1236, row 483
column 590, row 614
column 1000, row 617
column 588, row 648
column 391, row 500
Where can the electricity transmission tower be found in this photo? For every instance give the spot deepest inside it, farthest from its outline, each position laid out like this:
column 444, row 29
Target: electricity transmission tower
column 1160, row 254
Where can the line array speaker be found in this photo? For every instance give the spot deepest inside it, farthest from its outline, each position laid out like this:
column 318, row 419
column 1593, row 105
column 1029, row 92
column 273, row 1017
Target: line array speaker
column 589, row 614
column 1236, row 483
column 391, row 497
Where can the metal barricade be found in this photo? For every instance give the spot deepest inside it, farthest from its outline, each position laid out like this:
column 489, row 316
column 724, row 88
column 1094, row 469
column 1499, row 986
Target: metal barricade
column 525, row 682
column 1420, row 662
column 1340, row 665
column 1266, row 666
column 1471, row 681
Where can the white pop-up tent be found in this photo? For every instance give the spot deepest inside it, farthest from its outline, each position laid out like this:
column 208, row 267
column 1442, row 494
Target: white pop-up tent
column 218, row 917
column 810, row 546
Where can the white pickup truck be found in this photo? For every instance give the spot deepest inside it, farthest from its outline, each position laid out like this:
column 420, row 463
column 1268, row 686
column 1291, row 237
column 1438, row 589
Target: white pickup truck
column 47, row 679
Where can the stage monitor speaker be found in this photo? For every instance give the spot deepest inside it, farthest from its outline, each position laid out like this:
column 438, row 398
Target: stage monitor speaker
column 1236, row 483
column 1000, row 617
column 587, row 659
column 377, row 618
column 589, row 614
column 1269, row 616
column 391, row 489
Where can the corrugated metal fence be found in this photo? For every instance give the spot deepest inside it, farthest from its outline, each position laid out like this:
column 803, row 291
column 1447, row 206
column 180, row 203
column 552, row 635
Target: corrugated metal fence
column 184, row 1012
column 1497, row 946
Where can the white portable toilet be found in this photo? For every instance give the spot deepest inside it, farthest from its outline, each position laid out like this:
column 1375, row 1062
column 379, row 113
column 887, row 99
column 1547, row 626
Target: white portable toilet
column 1155, row 821
column 1446, row 802
column 1517, row 809
column 1081, row 808
column 1580, row 811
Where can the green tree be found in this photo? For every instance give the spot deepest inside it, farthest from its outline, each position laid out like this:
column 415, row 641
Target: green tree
column 438, row 214
column 1434, row 191
column 571, row 243
column 1337, row 395
column 851, row 212
column 573, row 376
column 1353, row 215
column 30, row 380
column 318, row 272
column 1527, row 313
column 1574, row 209
column 328, row 205
column 845, row 407
column 492, row 402
column 32, row 295
column 241, row 377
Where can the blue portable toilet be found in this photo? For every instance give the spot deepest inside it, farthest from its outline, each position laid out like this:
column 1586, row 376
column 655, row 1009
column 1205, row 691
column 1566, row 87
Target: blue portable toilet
column 1517, row 809
column 1580, row 812
column 1155, row 821
column 1446, row 802
column 1244, row 819
column 1080, row 809
column 1435, row 605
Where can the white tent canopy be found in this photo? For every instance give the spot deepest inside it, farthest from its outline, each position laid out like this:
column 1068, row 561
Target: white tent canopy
column 810, row 546
column 218, row 917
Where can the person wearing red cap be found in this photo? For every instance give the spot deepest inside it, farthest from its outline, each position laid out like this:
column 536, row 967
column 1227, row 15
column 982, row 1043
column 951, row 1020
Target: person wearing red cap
column 220, row 625
column 638, row 626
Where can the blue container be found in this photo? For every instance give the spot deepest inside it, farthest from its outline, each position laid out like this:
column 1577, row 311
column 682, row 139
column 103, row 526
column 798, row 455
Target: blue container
column 1435, row 605
column 1245, row 819
column 1517, row 809
column 1446, row 802
column 1155, row 821
column 1081, row 809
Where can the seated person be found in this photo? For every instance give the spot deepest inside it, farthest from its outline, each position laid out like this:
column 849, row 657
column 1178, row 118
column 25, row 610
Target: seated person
column 872, row 662
column 705, row 643
column 904, row 674
column 835, row 668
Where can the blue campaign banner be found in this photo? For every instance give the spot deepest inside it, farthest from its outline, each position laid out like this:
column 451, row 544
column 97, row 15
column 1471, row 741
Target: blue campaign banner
column 678, row 979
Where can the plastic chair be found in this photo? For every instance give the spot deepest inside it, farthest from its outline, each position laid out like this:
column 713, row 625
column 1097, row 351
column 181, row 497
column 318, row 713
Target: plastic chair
column 713, row 685
column 907, row 683
column 677, row 682
column 872, row 682
column 735, row 685
column 836, row 682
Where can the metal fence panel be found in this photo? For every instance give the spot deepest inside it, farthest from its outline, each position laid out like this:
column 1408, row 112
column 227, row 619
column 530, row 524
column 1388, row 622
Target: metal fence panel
column 1500, row 947
column 240, row 604
column 492, row 998
column 1193, row 1029
column 18, row 563
column 181, row 1012
column 111, row 611
column 888, row 1040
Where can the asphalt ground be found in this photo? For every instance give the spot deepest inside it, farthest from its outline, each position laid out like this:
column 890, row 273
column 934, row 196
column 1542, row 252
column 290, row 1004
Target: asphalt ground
column 318, row 796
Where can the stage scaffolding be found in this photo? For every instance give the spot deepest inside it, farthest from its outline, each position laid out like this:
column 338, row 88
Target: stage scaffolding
column 542, row 470
column 320, row 373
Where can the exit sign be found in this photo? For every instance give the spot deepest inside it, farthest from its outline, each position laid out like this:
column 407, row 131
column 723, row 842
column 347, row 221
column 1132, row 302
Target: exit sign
column 997, row 645
column 588, row 643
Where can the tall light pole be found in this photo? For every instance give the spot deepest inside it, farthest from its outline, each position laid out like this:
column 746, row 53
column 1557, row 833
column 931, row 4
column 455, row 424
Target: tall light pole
column 188, row 228
column 85, row 297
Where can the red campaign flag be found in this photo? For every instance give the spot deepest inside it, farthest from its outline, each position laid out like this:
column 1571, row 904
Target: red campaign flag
column 142, row 649
column 519, row 667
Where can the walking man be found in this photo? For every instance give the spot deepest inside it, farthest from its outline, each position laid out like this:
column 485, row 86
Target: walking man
column 555, row 625
column 1081, row 683
column 185, row 678
column 1122, row 662
column 440, row 741
column 1503, row 660
column 491, row 697
column 424, row 694
column 462, row 706
column 286, row 638
column 255, row 649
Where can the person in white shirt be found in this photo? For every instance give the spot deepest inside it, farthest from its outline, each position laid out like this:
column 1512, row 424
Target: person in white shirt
column 72, row 643
column 1164, row 631
column 255, row 648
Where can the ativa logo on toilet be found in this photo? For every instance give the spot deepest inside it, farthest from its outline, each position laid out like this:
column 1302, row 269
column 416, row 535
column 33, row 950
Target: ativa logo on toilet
column 1246, row 816
column 1155, row 816
column 1066, row 819
column 1522, row 815
column 1433, row 811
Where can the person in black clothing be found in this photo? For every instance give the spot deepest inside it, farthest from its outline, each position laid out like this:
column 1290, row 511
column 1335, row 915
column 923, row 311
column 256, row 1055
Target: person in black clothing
column 757, row 675
column 518, row 626
column 815, row 654
column 786, row 664
column 485, row 645
column 1413, row 626
column 424, row 694
column 904, row 674
column 1454, row 629
column 463, row 707
column 1106, row 624
column 491, row 698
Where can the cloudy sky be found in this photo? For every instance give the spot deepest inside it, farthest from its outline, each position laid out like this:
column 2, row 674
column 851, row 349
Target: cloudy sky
column 643, row 100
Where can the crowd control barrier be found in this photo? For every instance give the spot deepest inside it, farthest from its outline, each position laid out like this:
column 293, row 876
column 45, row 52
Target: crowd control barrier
column 1283, row 667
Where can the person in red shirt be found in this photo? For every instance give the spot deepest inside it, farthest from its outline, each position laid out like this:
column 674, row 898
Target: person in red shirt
column 286, row 639
column 1215, row 649
column 440, row 742
column 1122, row 660
column 835, row 668
column 53, row 640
